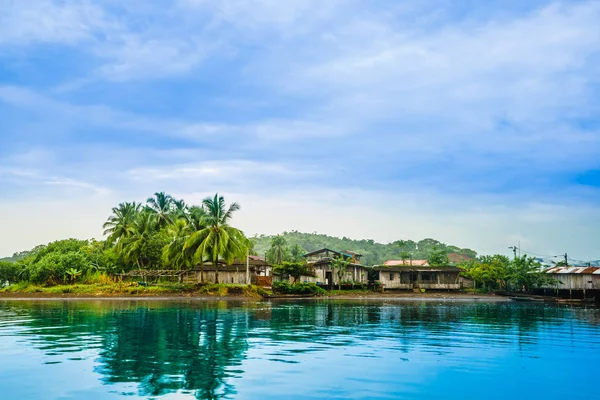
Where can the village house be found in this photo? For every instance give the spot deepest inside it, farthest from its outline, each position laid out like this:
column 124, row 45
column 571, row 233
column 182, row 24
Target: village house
column 581, row 280
column 320, row 262
column 417, row 274
column 259, row 272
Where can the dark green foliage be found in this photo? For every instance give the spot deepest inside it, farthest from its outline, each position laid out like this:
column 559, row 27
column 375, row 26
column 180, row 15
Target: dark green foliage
column 373, row 253
column 299, row 288
column 438, row 257
column 293, row 269
column 8, row 272
column 498, row 272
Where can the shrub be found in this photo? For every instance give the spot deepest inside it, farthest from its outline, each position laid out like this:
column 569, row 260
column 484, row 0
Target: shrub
column 299, row 288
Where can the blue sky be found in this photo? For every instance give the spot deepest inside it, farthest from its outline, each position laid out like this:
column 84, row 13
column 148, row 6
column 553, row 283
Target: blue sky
column 472, row 122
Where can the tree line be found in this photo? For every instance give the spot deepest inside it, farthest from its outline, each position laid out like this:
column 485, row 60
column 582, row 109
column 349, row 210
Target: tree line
column 163, row 233
column 294, row 242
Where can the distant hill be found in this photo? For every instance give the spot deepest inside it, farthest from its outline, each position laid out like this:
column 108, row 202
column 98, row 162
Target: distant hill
column 373, row 252
column 16, row 257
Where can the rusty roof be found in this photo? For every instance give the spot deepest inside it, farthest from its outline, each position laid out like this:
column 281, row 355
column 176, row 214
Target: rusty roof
column 574, row 270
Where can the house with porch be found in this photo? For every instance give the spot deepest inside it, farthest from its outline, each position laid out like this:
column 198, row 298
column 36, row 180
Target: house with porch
column 417, row 274
column 320, row 261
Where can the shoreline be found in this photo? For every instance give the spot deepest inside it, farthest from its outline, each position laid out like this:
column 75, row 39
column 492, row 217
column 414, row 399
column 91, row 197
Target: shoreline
column 397, row 297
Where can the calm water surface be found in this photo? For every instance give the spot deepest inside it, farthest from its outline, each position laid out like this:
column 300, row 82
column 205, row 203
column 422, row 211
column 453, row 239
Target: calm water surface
column 304, row 350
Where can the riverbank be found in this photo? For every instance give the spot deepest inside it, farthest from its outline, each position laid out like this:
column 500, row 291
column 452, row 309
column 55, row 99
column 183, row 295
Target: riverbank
column 131, row 290
column 218, row 292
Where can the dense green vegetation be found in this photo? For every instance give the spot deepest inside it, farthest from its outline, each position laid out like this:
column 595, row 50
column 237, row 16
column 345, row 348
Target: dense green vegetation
column 498, row 272
column 304, row 288
column 289, row 244
column 165, row 233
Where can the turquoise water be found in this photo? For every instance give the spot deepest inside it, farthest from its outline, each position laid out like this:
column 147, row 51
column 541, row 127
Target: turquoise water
column 303, row 350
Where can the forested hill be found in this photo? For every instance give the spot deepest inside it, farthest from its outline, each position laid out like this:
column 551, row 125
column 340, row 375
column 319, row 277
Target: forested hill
column 373, row 252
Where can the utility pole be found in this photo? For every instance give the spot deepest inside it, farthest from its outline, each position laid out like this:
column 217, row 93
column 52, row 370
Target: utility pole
column 248, row 267
column 566, row 260
column 514, row 249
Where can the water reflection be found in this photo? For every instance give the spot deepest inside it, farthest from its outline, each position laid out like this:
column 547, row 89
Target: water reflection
column 211, row 350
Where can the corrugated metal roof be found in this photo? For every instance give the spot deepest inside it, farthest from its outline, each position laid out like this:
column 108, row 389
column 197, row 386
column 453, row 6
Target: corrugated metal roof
column 574, row 270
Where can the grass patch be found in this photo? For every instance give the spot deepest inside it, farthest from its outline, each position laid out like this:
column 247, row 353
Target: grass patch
column 133, row 288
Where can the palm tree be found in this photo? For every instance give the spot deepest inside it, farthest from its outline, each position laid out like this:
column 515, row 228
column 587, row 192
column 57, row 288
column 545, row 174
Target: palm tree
column 180, row 209
column 73, row 274
column 296, row 252
column 278, row 247
column 217, row 239
column 133, row 245
column 120, row 224
column 173, row 253
column 161, row 206
column 339, row 265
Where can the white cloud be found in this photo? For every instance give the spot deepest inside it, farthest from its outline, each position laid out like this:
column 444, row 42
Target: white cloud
column 47, row 21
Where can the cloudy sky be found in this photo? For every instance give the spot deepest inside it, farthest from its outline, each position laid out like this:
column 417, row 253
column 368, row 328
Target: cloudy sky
column 475, row 123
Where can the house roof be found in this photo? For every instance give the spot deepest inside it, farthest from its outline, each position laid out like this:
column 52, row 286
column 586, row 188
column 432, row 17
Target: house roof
column 413, row 263
column 327, row 260
column 345, row 252
column 413, row 268
column 574, row 270
column 321, row 251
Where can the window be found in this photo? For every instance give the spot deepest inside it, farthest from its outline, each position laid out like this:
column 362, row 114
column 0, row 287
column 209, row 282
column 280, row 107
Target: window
column 391, row 276
column 429, row 277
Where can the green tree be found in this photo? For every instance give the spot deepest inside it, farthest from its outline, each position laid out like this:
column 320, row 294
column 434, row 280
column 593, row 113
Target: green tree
column 8, row 272
column 278, row 249
column 133, row 246
column 438, row 257
column 120, row 224
column 161, row 207
column 525, row 273
column 217, row 239
column 339, row 266
column 73, row 273
column 293, row 269
column 297, row 253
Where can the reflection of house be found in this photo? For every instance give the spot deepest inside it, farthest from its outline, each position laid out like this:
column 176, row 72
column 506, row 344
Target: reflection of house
column 395, row 274
column 321, row 263
column 234, row 273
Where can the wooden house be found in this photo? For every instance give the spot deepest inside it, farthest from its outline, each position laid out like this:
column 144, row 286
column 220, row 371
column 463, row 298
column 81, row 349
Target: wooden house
column 417, row 274
column 321, row 263
column 574, row 279
column 258, row 269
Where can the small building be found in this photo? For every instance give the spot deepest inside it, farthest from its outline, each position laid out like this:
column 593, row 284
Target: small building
column 234, row 273
column 394, row 274
column 574, row 278
column 321, row 263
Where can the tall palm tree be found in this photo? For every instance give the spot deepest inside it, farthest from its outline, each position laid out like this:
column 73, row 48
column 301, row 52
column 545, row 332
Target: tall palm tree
column 278, row 248
column 173, row 254
column 180, row 210
column 120, row 224
column 161, row 206
column 296, row 253
column 217, row 239
column 133, row 245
